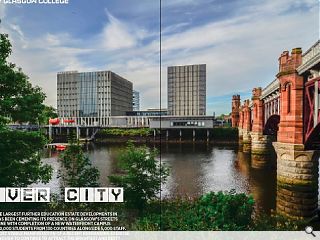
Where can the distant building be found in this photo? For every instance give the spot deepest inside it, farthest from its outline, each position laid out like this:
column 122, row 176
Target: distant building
column 149, row 112
column 191, row 122
column 136, row 101
column 187, row 90
column 93, row 94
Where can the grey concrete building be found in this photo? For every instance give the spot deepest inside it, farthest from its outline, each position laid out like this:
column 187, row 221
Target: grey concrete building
column 187, row 90
column 136, row 100
column 93, row 94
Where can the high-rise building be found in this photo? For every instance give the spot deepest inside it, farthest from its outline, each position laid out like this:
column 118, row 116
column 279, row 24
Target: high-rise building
column 187, row 90
column 136, row 100
column 93, row 94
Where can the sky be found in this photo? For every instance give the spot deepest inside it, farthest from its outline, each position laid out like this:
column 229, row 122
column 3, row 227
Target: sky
column 239, row 41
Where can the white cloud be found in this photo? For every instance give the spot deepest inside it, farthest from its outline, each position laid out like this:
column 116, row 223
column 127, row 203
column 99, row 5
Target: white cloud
column 2, row 11
column 170, row 3
column 116, row 35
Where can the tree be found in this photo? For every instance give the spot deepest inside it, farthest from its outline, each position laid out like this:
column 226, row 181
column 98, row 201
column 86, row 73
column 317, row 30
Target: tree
column 20, row 162
column 20, row 101
column 47, row 113
column 78, row 171
column 142, row 175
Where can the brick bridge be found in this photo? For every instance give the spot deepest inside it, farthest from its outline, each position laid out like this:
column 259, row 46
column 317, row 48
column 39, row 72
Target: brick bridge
column 284, row 116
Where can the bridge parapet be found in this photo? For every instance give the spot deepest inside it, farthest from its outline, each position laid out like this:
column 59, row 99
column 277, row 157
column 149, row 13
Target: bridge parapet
column 310, row 58
column 272, row 88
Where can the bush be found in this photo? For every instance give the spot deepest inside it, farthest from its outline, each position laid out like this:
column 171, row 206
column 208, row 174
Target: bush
column 225, row 133
column 142, row 175
column 142, row 132
column 276, row 222
column 77, row 169
column 212, row 211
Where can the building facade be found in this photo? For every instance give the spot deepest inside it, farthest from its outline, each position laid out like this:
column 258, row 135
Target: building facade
column 187, row 90
column 149, row 112
column 136, row 100
column 93, row 94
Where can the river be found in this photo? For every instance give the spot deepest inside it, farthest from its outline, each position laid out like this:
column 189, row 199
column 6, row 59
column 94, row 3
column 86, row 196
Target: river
column 195, row 169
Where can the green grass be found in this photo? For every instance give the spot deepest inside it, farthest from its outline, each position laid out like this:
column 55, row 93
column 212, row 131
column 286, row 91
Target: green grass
column 142, row 132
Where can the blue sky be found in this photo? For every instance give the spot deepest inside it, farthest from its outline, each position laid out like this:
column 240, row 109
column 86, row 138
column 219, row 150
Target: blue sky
column 239, row 40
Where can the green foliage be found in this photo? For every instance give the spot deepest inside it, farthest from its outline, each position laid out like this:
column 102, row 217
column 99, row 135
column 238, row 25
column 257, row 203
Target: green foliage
column 225, row 133
column 77, row 169
column 276, row 222
column 142, row 175
column 143, row 132
column 20, row 162
column 212, row 211
column 19, row 99
column 47, row 113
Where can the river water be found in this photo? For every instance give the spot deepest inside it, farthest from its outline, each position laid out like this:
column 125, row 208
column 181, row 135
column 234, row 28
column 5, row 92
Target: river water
column 195, row 169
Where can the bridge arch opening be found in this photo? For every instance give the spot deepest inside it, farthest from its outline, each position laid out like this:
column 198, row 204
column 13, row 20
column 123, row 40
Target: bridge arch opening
column 271, row 126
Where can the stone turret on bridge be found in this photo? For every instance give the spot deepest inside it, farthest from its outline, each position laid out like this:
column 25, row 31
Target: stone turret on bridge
column 236, row 102
column 246, row 127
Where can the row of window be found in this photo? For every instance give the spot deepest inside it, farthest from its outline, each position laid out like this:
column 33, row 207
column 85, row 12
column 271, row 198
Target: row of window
column 188, row 123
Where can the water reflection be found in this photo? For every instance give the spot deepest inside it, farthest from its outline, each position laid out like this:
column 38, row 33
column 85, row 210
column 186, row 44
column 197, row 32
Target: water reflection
column 195, row 170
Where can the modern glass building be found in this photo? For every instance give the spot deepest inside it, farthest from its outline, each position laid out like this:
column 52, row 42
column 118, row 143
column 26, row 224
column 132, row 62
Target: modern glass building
column 136, row 100
column 93, row 94
column 187, row 90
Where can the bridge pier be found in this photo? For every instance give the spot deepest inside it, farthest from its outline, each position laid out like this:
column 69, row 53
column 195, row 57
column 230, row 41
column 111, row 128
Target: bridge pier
column 246, row 142
column 261, row 149
column 240, row 135
column 297, row 180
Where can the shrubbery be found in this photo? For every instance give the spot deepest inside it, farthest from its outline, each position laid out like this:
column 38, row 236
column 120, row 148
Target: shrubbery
column 212, row 211
column 141, row 177
column 225, row 133
column 77, row 169
column 133, row 132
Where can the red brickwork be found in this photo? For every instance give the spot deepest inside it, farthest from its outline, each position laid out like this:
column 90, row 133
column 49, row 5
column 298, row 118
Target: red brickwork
column 291, row 98
column 241, row 117
column 235, row 110
column 257, row 118
column 246, row 116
